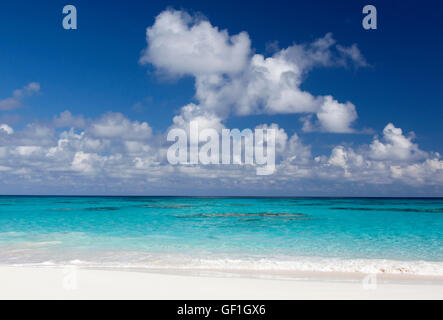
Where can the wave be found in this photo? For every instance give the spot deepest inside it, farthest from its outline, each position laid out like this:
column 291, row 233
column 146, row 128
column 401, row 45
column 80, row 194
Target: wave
column 276, row 264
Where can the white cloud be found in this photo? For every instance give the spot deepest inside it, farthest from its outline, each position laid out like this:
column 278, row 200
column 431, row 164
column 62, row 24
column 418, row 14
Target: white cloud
column 281, row 138
column 394, row 158
column 18, row 95
column 6, row 128
column 335, row 117
column 102, row 156
column 271, row 86
column 323, row 52
column 28, row 90
column 85, row 162
column 192, row 112
column 115, row 125
column 353, row 53
column 395, row 146
column 67, row 120
column 345, row 159
column 427, row 172
column 229, row 79
column 27, row 151
column 31, row 135
column 181, row 44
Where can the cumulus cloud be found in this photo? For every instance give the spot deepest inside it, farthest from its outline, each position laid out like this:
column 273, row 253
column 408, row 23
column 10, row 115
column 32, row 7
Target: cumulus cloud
column 16, row 100
column 115, row 125
column 67, row 120
column 114, row 151
column 395, row 146
column 393, row 157
column 179, row 43
column 85, row 163
column 271, row 86
column 230, row 79
column 332, row 116
column 6, row 129
column 204, row 118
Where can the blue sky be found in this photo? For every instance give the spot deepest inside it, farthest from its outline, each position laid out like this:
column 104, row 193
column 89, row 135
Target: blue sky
column 96, row 69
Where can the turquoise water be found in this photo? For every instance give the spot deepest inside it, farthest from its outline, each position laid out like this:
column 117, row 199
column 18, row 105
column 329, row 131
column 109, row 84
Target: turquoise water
column 309, row 234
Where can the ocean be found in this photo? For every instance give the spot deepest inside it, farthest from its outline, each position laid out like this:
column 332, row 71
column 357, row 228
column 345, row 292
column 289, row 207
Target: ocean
column 367, row 235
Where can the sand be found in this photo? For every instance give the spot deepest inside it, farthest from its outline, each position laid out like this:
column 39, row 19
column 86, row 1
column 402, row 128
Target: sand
column 58, row 283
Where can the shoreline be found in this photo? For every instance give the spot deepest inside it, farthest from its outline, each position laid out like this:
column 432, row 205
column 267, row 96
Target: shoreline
column 78, row 283
column 259, row 265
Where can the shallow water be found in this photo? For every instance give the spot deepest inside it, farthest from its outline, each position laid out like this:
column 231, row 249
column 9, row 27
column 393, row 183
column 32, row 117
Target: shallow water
column 304, row 234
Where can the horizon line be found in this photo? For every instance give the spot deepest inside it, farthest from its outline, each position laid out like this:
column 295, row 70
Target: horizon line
column 219, row 196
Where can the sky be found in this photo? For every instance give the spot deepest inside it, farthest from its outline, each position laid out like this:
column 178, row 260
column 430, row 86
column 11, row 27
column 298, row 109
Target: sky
column 86, row 112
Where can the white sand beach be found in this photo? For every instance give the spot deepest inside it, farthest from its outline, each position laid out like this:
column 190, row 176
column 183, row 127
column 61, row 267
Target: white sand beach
column 58, row 283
